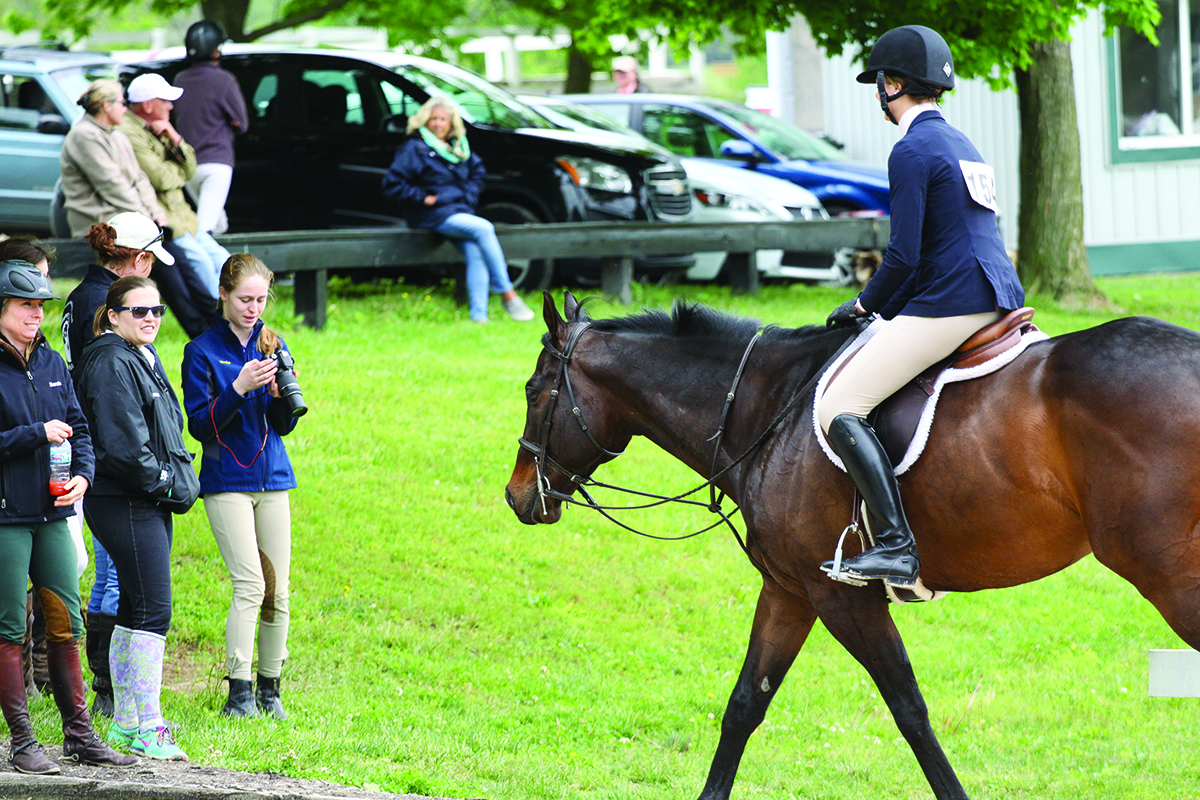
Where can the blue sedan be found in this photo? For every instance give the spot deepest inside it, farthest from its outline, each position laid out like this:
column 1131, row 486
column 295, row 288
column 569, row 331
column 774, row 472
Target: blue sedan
column 707, row 128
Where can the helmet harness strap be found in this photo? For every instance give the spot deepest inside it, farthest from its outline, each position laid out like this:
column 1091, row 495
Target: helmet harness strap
column 885, row 98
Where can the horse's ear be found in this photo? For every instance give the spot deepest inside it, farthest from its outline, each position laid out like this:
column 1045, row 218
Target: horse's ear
column 570, row 306
column 554, row 323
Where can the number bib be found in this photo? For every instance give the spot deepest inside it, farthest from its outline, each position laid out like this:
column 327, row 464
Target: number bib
column 981, row 183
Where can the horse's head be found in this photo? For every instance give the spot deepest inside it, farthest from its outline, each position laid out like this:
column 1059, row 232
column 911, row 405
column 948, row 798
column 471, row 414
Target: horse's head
column 569, row 430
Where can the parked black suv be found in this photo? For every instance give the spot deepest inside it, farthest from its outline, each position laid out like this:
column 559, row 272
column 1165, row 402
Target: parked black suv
column 325, row 125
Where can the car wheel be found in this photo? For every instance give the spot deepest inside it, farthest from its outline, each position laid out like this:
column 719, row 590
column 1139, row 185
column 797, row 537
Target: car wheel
column 526, row 274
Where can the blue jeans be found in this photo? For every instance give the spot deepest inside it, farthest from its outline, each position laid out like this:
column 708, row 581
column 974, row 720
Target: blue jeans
column 137, row 535
column 206, row 256
column 105, row 591
column 486, row 267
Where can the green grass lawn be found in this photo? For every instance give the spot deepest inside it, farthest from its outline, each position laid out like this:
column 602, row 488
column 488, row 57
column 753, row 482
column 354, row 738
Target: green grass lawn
column 440, row 647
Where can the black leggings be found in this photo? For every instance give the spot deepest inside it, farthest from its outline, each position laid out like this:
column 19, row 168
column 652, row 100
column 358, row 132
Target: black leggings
column 137, row 535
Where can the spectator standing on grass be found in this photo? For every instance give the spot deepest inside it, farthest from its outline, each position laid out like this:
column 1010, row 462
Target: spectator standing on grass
column 101, row 178
column 627, row 76
column 170, row 162
column 209, row 114
column 438, row 180
column 38, row 408
column 234, row 409
column 127, row 244
column 143, row 475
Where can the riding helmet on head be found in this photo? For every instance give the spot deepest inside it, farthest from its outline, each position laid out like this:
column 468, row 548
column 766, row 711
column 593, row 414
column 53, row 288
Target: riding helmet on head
column 202, row 38
column 918, row 54
column 22, row 279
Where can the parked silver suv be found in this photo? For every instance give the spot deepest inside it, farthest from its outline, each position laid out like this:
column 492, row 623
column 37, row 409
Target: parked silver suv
column 38, row 90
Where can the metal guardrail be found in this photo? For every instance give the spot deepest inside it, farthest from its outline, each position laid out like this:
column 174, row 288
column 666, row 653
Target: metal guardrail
column 310, row 255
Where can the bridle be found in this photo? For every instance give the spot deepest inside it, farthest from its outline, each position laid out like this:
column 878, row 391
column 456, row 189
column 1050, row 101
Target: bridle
column 542, row 458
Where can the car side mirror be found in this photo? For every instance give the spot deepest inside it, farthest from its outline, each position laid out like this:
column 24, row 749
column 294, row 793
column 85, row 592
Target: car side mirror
column 53, row 123
column 396, row 123
column 739, row 150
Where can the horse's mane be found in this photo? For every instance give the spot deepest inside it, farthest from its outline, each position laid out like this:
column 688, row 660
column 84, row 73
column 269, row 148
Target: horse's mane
column 694, row 321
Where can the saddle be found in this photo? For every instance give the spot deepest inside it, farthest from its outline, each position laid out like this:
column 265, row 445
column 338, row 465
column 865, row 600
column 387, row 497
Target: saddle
column 896, row 419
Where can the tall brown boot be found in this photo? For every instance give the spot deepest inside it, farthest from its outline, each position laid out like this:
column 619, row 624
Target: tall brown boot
column 80, row 742
column 25, row 754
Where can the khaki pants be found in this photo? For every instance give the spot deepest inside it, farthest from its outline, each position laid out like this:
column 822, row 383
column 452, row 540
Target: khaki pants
column 254, row 534
column 905, row 348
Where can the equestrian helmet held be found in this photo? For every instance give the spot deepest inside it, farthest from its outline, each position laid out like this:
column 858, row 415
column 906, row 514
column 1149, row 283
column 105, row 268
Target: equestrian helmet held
column 202, row 38
column 22, row 279
column 915, row 52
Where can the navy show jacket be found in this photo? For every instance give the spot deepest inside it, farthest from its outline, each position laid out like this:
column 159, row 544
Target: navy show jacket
column 31, row 394
column 945, row 257
column 418, row 171
column 230, row 427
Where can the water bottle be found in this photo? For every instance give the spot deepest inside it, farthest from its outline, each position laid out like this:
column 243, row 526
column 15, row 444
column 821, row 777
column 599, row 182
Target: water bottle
column 60, row 467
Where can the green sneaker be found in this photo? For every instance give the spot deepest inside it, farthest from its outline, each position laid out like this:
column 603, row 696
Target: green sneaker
column 158, row 743
column 119, row 737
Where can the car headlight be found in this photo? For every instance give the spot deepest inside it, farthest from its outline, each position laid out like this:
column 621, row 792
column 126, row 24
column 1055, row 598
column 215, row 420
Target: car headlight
column 589, row 173
column 734, row 202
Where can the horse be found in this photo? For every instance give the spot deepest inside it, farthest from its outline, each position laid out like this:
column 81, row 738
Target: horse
column 1087, row 442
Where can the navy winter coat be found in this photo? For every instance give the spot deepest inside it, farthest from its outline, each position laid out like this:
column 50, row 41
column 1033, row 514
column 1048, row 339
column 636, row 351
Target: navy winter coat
column 30, row 396
column 419, row 171
column 244, row 425
column 945, row 257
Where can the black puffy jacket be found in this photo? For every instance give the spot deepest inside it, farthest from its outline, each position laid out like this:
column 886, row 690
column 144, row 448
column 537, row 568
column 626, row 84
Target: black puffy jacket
column 31, row 394
column 134, row 415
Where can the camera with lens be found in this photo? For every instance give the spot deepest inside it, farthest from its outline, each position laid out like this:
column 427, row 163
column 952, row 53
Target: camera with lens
column 285, row 380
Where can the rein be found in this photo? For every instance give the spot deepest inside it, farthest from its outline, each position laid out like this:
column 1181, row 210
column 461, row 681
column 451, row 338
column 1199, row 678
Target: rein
column 542, row 457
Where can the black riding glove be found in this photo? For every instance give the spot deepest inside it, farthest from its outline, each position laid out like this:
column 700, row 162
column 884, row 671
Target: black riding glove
column 844, row 315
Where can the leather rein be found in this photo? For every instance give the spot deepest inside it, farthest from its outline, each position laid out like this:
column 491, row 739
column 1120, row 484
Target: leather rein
column 542, row 458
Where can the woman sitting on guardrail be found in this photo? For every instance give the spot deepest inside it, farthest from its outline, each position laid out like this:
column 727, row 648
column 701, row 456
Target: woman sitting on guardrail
column 437, row 179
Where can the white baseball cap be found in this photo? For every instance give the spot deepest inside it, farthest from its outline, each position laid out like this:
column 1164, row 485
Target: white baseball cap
column 152, row 86
column 625, row 64
column 139, row 232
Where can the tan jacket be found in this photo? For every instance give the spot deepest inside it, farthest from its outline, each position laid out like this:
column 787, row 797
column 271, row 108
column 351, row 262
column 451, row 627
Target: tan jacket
column 168, row 169
column 101, row 177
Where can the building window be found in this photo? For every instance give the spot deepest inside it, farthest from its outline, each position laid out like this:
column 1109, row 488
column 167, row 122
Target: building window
column 1157, row 98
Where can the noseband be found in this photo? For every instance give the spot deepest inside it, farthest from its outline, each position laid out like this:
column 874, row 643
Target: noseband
column 540, row 449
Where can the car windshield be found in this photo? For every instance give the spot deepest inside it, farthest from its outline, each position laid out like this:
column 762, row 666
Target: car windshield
column 481, row 102
column 589, row 117
column 74, row 80
column 786, row 141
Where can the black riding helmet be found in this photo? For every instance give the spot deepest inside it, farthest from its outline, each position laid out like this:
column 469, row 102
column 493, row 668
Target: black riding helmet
column 202, row 38
column 22, row 279
column 917, row 53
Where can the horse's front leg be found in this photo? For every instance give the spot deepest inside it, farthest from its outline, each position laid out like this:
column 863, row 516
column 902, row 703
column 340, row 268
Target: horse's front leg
column 858, row 618
column 781, row 624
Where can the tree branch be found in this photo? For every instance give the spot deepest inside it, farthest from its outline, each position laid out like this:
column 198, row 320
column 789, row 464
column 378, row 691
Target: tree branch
column 294, row 21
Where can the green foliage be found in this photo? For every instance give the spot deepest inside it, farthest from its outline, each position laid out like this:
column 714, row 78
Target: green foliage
column 438, row 646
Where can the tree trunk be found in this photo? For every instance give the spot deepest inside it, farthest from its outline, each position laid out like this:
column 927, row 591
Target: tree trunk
column 579, row 71
column 1051, row 258
column 229, row 14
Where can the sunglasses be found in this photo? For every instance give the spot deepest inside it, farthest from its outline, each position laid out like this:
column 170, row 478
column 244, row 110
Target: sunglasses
column 140, row 312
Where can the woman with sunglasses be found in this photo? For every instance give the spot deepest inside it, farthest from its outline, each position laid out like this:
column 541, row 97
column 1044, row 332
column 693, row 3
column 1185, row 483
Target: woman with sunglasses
column 234, row 410
column 127, row 244
column 38, row 408
column 135, row 421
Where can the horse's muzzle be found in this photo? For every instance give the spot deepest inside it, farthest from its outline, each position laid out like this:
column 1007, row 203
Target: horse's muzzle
column 527, row 505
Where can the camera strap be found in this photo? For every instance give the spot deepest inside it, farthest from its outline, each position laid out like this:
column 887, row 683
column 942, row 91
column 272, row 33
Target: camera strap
column 212, row 408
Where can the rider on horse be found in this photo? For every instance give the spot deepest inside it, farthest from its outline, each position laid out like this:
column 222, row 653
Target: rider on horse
column 945, row 275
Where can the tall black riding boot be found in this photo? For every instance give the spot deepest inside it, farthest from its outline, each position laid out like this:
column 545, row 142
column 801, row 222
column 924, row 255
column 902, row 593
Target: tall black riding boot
column 99, row 637
column 80, row 742
column 25, row 754
column 893, row 559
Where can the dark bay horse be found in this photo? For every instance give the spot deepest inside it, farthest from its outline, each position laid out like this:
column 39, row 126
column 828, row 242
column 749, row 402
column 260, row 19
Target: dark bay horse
column 1089, row 442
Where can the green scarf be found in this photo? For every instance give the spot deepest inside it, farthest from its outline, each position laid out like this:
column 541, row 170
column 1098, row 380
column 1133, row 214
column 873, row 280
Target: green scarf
column 454, row 152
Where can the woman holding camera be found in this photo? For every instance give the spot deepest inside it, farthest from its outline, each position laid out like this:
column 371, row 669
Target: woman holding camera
column 143, row 475
column 235, row 410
